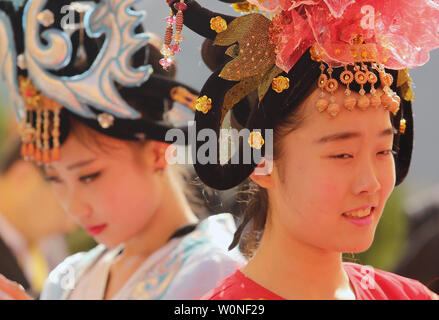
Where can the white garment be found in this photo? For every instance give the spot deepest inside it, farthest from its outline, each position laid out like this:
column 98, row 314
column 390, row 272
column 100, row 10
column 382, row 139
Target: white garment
column 185, row 268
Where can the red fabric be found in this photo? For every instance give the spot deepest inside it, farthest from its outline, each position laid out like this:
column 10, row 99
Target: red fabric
column 367, row 282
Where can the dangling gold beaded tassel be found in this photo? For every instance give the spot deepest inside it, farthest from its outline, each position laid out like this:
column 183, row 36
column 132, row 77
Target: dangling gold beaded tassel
column 39, row 145
column 347, row 77
column 46, row 137
column 24, row 144
column 322, row 103
column 389, row 99
column 361, row 79
column 375, row 100
column 168, row 48
column 28, row 135
column 51, row 130
column 31, row 98
column 56, row 156
column 331, row 87
column 165, row 62
column 178, row 37
column 402, row 126
column 31, row 146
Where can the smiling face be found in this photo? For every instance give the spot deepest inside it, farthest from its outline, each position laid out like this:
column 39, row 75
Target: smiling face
column 113, row 192
column 333, row 177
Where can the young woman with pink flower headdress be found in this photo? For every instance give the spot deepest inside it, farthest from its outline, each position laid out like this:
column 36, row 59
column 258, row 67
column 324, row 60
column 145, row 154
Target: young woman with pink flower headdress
column 333, row 86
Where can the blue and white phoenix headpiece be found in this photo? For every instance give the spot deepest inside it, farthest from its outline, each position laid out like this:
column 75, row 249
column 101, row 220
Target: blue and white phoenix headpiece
column 91, row 95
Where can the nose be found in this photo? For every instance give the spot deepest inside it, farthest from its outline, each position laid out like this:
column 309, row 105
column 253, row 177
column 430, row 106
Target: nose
column 366, row 178
column 77, row 206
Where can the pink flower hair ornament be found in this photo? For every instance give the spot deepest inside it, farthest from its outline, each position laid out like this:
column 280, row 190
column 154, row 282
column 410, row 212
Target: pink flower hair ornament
column 335, row 6
column 399, row 33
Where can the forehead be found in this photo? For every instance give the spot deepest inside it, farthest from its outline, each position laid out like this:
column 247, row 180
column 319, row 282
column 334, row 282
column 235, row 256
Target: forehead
column 80, row 147
column 367, row 122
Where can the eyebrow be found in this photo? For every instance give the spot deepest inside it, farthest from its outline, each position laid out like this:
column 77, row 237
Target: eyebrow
column 349, row 135
column 80, row 164
column 71, row 167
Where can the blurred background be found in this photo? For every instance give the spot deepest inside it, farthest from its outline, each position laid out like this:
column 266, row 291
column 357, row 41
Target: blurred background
column 35, row 235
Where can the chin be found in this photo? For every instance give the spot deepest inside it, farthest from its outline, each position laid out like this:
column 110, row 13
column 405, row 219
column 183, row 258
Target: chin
column 352, row 244
column 358, row 246
column 109, row 243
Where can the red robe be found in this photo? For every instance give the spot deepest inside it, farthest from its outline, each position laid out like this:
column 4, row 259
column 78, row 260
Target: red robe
column 368, row 284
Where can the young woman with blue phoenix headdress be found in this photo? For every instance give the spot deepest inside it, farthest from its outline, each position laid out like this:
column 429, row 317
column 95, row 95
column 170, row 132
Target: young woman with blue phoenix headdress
column 93, row 105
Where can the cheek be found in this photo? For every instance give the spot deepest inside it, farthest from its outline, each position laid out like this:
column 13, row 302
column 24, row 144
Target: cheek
column 387, row 177
column 309, row 195
column 313, row 186
column 130, row 202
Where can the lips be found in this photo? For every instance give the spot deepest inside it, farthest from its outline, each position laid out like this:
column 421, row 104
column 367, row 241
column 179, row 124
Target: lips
column 361, row 216
column 95, row 230
column 359, row 213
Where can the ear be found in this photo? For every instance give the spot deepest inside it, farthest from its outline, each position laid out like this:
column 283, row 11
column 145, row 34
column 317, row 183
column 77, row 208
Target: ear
column 263, row 174
column 159, row 151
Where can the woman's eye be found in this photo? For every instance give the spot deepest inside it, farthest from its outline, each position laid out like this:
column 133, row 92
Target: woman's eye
column 52, row 179
column 89, row 178
column 387, row 152
column 342, row 156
